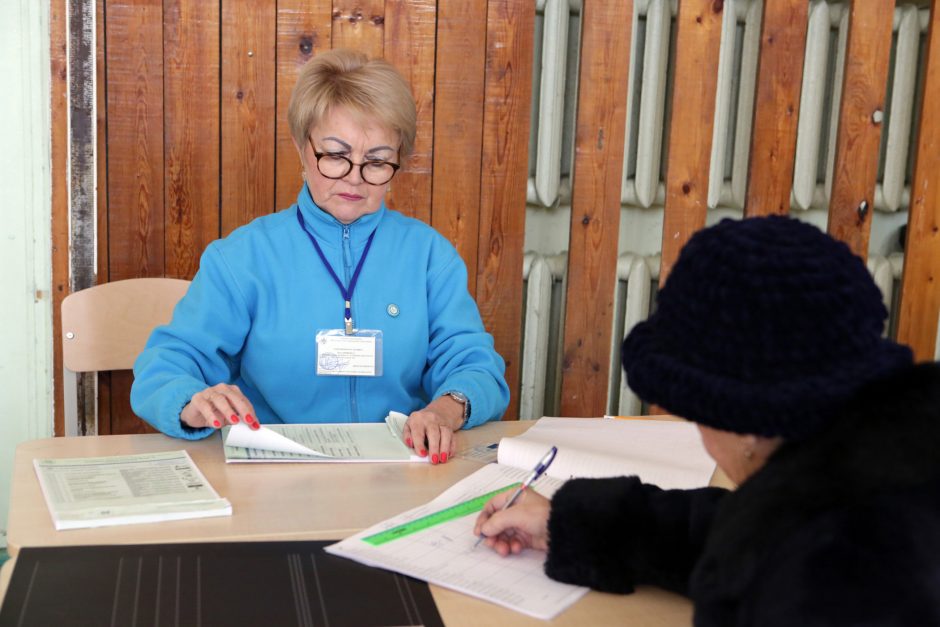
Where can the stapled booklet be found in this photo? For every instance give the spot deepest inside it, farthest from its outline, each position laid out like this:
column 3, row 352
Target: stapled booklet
column 126, row 489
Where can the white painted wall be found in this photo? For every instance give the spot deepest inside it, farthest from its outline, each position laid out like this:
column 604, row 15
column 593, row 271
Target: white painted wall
column 25, row 234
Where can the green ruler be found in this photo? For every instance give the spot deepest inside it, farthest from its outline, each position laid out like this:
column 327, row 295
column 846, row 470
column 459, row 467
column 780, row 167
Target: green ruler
column 419, row 524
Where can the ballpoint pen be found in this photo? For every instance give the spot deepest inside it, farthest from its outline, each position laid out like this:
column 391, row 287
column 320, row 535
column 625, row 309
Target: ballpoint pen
column 537, row 472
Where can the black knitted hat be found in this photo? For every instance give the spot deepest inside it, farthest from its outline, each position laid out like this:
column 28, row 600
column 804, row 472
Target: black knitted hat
column 765, row 326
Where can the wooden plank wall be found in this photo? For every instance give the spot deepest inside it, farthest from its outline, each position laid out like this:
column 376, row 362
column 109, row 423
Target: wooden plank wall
column 133, row 201
column 410, row 46
column 920, row 284
column 458, row 89
column 698, row 34
column 864, row 88
column 776, row 109
column 507, row 93
column 773, row 143
column 595, row 206
column 193, row 142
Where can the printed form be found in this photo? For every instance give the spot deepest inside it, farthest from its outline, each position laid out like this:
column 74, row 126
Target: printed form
column 435, row 542
column 125, row 489
column 329, row 442
column 439, row 548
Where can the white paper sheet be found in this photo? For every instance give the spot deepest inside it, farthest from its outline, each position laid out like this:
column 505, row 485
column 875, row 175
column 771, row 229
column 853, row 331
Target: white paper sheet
column 669, row 454
column 340, row 442
column 444, row 554
column 265, row 439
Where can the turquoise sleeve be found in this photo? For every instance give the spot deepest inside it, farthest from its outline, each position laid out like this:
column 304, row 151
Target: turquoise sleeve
column 197, row 349
column 461, row 354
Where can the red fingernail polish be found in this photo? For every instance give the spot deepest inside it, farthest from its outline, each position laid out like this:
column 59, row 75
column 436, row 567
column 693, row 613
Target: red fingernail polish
column 408, row 442
column 434, row 458
column 216, row 424
column 234, row 419
column 443, row 457
column 422, row 453
column 249, row 418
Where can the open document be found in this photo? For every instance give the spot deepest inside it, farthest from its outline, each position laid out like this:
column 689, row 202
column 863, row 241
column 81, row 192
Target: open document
column 126, row 489
column 339, row 442
column 666, row 453
column 435, row 542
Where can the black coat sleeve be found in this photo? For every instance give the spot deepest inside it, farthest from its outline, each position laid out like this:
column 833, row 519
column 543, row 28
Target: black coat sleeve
column 613, row 534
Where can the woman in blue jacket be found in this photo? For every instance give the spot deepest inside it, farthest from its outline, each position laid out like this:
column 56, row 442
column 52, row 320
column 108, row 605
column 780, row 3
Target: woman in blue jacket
column 336, row 309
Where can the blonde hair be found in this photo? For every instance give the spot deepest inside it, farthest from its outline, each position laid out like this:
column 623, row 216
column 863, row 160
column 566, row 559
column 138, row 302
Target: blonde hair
column 372, row 88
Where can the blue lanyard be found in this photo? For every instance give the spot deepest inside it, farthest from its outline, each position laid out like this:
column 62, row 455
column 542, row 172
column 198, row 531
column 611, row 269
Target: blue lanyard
column 346, row 292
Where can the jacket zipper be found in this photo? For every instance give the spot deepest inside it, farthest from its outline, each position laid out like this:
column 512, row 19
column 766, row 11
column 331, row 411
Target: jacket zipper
column 347, row 270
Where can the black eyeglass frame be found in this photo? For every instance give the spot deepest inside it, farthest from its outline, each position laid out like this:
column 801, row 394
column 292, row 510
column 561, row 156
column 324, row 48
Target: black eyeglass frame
column 352, row 164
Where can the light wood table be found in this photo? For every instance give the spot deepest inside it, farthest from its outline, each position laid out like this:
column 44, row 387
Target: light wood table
column 304, row 502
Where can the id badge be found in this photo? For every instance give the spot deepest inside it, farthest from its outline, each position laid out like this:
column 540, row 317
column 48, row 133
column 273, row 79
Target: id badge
column 358, row 354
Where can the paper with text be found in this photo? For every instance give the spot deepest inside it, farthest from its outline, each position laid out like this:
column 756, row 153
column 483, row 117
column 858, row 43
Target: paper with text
column 126, row 489
column 334, row 442
column 444, row 554
column 430, row 543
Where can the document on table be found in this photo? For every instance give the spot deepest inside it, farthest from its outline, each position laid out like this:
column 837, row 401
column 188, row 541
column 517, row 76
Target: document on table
column 126, row 489
column 435, row 543
column 667, row 453
column 334, row 442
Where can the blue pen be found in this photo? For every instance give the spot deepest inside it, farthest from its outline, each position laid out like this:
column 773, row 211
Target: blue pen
column 537, row 472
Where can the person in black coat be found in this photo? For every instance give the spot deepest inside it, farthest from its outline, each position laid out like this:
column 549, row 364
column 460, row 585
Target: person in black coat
column 768, row 335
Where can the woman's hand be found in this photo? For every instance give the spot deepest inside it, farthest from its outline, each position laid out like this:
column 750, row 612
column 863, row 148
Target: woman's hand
column 219, row 405
column 522, row 526
column 433, row 427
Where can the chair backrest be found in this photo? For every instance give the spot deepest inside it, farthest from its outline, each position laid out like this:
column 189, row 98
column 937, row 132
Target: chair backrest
column 105, row 327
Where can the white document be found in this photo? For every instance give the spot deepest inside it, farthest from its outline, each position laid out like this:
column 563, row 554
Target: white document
column 666, row 453
column 444, row 554
column 435, row 542
column 342, row 442
column 126, row 489
column 266, row 439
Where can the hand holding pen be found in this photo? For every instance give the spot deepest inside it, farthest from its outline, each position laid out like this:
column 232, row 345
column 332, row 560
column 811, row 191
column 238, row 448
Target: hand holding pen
column 510, row 529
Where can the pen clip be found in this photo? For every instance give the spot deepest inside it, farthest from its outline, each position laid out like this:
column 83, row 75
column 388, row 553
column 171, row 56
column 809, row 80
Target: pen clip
column 541, row 467
column 546, row 461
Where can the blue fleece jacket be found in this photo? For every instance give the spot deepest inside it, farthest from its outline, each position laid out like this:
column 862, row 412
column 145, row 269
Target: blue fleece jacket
column 253, row 310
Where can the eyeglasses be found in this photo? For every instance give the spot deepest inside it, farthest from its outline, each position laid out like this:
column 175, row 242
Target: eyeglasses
column 374, row 172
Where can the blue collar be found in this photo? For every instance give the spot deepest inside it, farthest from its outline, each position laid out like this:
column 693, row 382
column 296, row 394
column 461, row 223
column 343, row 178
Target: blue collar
column 328, row 230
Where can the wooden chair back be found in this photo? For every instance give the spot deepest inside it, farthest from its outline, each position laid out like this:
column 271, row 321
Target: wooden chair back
column 105, row 327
